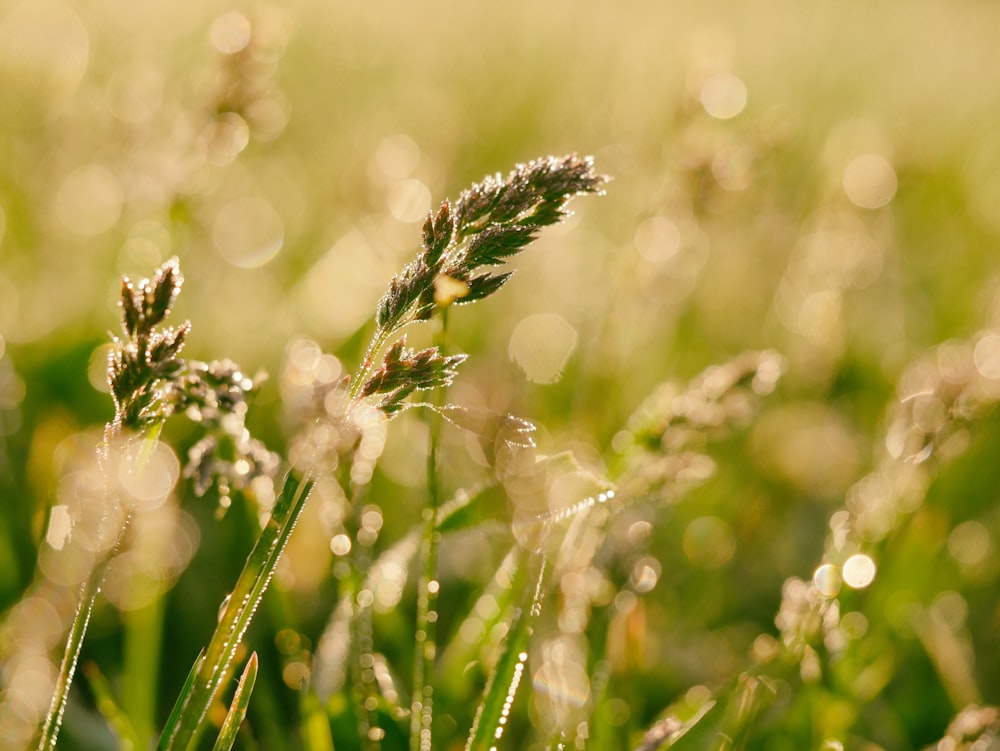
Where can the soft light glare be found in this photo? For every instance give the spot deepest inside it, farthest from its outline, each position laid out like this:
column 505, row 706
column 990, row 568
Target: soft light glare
column 987, row 356
column 135, row 92
column 731, row 168
column 149, row 475
column 541, row 345
column 870, row 181
column 969, row 543
column 658, row 239
column 354, row 268
column 230, row 32
column 340, row 544
column 248, row 232
column 60, row 526
column 397, row 156
column 827, row 580
column 723, row 95
column 89, row 200
column 858, row 571
column 97, row 368
column 44, row 45
column 409, row 200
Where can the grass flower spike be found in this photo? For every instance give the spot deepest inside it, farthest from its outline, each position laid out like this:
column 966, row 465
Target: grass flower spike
column 463, row 245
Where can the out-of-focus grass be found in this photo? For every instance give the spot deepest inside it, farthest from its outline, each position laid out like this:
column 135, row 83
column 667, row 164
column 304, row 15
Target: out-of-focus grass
column 845, row 213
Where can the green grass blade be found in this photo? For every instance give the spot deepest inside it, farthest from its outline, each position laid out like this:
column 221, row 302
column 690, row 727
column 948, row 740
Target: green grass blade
column 721, row 724
column 108, row 706
column 501, row 689
column 238, row 709
column 316, row 733
column 239, row 609
column 186, row 690
column 78, row 629
column 143, row 654
column 74, row 643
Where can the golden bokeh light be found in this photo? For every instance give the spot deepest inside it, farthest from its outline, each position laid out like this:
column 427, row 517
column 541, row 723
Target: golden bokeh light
column 541, row 345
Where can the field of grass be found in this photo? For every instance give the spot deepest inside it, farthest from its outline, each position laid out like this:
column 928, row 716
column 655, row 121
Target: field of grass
column 718, row 472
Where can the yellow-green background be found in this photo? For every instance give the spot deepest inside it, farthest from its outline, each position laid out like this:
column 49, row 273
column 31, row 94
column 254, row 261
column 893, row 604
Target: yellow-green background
column 113, row 157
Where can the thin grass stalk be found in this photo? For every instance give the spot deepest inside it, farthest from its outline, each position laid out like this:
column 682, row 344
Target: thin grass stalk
column 378, row 341
column 422, row 706
column 363, row 688
column 71, row 655
column 81, row 620
column 212, row 667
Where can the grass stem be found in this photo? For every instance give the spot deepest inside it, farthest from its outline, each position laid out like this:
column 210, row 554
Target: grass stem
column 422, row 708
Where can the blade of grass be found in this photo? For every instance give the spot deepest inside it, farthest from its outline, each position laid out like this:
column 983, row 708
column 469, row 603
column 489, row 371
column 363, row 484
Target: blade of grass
column 74, row 643
column 211, row 669
column 501, row 688
column 108, row 706
column 238, row 709
column 316, row 733
column 720, row 724
column 422, row 708
column 143, row 639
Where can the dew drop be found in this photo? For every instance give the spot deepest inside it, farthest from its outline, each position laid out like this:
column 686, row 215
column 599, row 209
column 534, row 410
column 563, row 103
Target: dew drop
column 223, row 606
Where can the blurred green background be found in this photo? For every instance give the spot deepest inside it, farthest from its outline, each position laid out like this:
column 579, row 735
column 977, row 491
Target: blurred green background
column 818, row 178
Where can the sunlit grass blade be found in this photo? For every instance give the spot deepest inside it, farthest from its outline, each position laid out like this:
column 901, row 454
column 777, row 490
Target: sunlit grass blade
column 316, row 733
column 720, row 724
column 497, row 599
column 236, row 615
column 143, row 656
column 502, row 686
column 670, row 732
column 71, row 654
column 78, row 629
column 108, row 706
column 238, row 708
column 186, row 690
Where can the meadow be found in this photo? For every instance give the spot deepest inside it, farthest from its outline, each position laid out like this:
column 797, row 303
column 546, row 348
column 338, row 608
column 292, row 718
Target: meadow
column 535, row 375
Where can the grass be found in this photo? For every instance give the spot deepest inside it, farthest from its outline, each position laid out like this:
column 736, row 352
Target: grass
column 714, row 469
